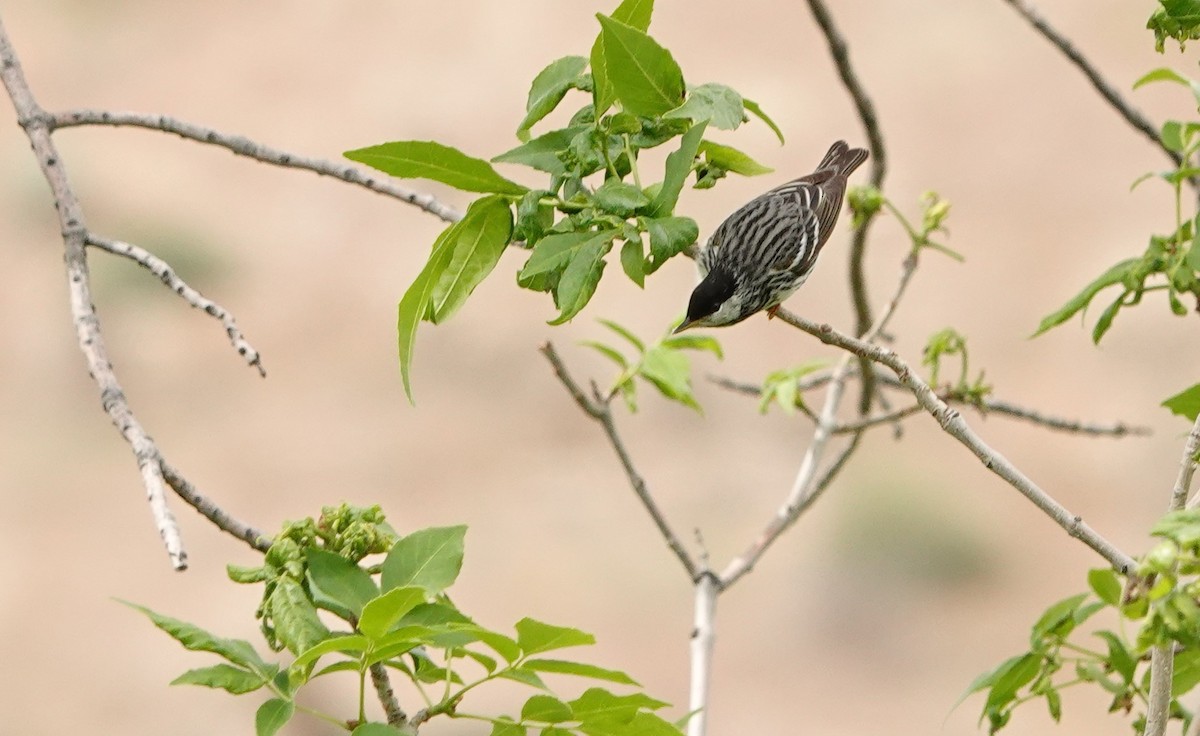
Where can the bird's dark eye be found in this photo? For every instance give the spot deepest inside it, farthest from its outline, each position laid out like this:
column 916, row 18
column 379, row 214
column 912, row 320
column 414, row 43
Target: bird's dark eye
column 711, row 293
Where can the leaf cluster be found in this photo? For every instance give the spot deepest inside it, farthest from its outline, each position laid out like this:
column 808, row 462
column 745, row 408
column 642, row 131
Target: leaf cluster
column 1175, row 19
column 663, row 364
column 593, row 200
column 952, row 343
column 397, row 614
column 1163, row 597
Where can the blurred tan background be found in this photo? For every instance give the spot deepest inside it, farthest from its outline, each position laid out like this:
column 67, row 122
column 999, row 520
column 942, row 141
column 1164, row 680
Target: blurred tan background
column 917, row 571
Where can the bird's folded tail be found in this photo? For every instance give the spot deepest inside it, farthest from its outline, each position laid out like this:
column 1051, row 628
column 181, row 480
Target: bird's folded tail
column 842, row 159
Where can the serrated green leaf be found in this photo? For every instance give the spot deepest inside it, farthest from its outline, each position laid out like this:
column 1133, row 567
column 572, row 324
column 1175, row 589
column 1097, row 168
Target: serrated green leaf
column 225, row 677
column 643, row 74
column 541, row 153
column 581, row 276
column 428, row 558
column 295, row 617
column 384, row 612
column 694, row 342
column 272, row 716
column 633, row 13
column 579, row 669
column 554, row 252
column 715, row 103
column 1114, row 275
column 679, row 165
column 348, row 644
column 479, row 241
column 619, row 198
column 337, row 584
column 731, row 159
column 433, row 160
column 545, row 709
column 1106, row 586
column 195, row 639
column 534, row 636
column 633, row 262
column 244, row 574
column 1186, row 403
column 414, row 305
column 548, row 88
column 756, row 110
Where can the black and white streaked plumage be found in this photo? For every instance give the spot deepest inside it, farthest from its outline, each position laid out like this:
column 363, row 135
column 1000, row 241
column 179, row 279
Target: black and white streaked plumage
column 765, row 250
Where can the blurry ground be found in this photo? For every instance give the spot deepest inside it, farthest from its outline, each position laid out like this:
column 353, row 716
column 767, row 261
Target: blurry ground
column 916, row 572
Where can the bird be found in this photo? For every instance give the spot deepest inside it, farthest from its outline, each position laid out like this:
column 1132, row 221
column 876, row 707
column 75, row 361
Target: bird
column 763, row 252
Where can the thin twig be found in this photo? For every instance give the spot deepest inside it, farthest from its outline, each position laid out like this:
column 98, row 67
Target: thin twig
column 87, row 325
column 1162, row 658
column 1127, row 111
column 171, row 280
column 953, row 424
column 243, row 146
column 387, row 697
column 214, row 513
column 877, row 419
column 602, row 413
column 879, row 160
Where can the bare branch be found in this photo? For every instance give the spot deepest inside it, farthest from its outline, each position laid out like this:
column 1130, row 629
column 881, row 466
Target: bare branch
column 87, row 325
column 1074, row 426
column 214, row 513
column 171, row 280
column 602, row 413
column 707, row 589
column 952, row 422
column 866, row 114
column 1187, row 469
column 387, row 697
column 243, row 146
column 1131, row 115
column 874, row 421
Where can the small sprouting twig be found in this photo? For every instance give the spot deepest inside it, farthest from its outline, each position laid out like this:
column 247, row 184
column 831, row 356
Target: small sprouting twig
column 87, row 325
column 1131, row 115
column 387, row 697
column 601, row 412
column 214, row 513
column 952, row 423
column 171, row 280
column 877, row 419
column 866, row 113
column 243, row 146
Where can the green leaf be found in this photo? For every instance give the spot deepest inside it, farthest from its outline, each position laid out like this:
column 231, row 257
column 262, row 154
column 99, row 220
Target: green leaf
column 535, row 637
column 731, row 159
column 1114, row 275
column 381, row 614
column 754, row 109
column 643, row 74
column 503, row 645
column 1107, row 317
column 541, row 153
column 1187, row 672
column 195, row 639
column 272, row 716
column 581, row 276
column 1186, row 403
column 507, row 728
column 669, row 236
column 633, row 262
column 349, row 644
column 679, row 165
column 415, row 303
column 1119, row 656
column 375, row 729
column 1057, row 621
column 432, row 160
column 429, row 558
column 1171, row 135
column 545, row 709
column 694, row 342
column 1018, row 672
column 479, row 241
column 549, row 87
column 1162, row 74
column 633, row 13
column 224, row 677
column 579, row 669
column 714, row 103
column 1104, row 583
column 608, row 352
column 598, row 704
column 523, row 676
column 619, row 198
column 337, row 584
column 553, row 253
column 626, row 334
column 295, row 617
column 671, row 373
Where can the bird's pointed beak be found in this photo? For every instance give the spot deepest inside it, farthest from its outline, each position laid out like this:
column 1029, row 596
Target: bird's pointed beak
column 685, row 324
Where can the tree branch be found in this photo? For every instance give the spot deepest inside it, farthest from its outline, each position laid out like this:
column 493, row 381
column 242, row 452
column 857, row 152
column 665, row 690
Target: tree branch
column 87, row 325
column 707, row 589
column 243, row 146
column 953, row 424
column 602, row 413
column 171, row 280
column 387, row 697
column 214, row 513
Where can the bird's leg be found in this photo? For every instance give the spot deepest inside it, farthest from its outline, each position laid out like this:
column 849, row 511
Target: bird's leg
column 771, row 312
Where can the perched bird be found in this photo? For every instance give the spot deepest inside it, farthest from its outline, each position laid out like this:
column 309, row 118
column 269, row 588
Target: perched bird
column 764, row 251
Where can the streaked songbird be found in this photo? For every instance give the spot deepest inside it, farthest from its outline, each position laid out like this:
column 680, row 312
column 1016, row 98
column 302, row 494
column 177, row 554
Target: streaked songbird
column 764, row 251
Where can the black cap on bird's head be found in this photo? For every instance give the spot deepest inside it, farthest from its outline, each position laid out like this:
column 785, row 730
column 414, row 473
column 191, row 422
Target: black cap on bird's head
column 714, row 290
